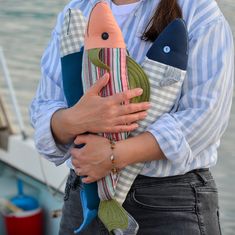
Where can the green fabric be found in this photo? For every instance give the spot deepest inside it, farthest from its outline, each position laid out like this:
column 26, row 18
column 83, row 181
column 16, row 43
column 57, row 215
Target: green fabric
column 138, row 78
column 113, row 215
column 94, row 56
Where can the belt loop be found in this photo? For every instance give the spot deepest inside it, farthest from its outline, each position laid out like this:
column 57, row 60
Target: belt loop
column 75, row 180
column 201, row 176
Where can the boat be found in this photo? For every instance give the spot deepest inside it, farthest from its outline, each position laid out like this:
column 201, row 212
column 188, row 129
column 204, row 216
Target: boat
column 19, row 159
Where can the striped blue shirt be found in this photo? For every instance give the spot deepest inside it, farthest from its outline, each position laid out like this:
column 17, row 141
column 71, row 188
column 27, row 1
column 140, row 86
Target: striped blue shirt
column 190, row 134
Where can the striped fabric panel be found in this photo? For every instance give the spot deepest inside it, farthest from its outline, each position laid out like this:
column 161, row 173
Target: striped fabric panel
column 162, row 99
column 115, row 58
column 125, row 180
column 106, row 187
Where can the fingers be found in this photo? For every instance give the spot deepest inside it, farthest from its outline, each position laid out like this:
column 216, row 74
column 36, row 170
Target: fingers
column 74, row 159
column 85, row 179
column 77, row 171
column 88, row 180
column 128, row 119
column 100, row 83
column 125, row 96
column 133, row 108
column 81, row 139
column 123, row 128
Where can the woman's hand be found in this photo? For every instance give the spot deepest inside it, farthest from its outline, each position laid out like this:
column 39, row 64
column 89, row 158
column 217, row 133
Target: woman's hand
column 96, row 114
column 93, row 160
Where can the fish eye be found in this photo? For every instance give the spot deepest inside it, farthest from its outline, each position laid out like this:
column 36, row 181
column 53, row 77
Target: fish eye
column 167, row 49
column 105, row 36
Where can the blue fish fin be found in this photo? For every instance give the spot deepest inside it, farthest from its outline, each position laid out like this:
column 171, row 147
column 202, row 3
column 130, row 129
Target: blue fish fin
column 88, row 215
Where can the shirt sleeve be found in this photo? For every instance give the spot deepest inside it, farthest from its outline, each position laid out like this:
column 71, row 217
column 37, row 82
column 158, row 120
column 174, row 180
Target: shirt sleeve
column 48, row 99
column 203, row 109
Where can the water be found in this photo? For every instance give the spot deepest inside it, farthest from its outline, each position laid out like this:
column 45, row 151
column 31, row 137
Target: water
column 24, row 33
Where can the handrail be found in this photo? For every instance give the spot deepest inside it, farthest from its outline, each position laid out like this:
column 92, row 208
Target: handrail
column 8, row 80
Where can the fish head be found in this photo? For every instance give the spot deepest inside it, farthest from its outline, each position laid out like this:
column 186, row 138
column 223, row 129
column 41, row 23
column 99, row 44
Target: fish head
column 102, row 29
column 171, row 46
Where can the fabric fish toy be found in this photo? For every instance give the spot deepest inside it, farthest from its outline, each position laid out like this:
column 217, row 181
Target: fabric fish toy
column 165, row 66
column 105, row 51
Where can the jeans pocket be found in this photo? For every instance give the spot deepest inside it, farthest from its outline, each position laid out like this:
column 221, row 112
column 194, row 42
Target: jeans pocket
column 172, row 198
column 207, row 208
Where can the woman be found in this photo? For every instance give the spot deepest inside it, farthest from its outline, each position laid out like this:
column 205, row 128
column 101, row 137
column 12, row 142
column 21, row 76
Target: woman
column 175, row 192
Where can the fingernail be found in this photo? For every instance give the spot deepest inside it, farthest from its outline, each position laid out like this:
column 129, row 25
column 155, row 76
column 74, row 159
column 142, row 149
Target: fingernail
column 140, row 91
column 105, row 75
column 143, row 116
column 136, row 125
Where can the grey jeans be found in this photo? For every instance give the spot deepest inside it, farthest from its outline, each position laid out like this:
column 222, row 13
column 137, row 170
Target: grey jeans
column 178, row 205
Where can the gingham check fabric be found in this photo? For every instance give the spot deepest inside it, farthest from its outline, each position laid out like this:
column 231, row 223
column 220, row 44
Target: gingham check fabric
column 165, row 82
column 73, row 32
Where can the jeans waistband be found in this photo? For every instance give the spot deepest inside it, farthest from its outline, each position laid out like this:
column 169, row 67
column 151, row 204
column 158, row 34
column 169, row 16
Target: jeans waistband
column 197, row 175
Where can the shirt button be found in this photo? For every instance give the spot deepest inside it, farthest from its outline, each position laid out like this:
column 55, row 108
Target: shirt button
column 167, row 49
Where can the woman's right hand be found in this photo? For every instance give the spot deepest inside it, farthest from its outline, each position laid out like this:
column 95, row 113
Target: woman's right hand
column 97, row 114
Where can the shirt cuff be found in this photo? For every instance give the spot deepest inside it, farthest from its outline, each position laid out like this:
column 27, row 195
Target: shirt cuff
column 172, row 141
column 44, row 140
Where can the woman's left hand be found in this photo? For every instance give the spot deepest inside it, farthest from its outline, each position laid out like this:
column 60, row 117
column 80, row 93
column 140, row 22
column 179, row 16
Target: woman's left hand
column 93, row 160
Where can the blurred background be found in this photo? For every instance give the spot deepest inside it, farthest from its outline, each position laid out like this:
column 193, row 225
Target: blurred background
column 25, row 28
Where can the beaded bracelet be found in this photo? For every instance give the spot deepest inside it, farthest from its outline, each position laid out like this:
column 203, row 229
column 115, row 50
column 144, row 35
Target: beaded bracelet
column 112, row 158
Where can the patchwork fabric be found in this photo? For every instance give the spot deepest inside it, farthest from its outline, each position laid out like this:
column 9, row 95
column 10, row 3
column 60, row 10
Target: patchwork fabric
column 105, row 51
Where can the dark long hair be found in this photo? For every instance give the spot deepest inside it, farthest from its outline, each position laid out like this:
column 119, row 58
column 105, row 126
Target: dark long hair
column 166, row 11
